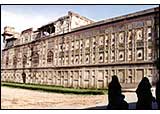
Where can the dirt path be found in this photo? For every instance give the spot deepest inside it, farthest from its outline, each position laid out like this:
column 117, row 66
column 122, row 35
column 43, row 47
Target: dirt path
column 20, row 99
column 12, row 98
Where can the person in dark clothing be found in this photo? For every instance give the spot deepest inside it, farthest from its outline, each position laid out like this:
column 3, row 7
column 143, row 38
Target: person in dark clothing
column 24, row 77
column 115, row 97
column 144, row 95
column 158, row 93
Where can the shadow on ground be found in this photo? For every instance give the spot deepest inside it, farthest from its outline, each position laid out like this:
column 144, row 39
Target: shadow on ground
column 132, row 106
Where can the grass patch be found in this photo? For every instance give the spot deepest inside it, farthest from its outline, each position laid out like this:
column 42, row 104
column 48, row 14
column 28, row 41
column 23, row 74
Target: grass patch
column 56, row 89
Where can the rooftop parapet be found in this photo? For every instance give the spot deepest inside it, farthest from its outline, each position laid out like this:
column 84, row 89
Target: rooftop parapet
column 9, row 33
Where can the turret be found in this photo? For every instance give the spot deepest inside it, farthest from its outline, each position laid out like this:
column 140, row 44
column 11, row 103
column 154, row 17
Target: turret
column 9, row 36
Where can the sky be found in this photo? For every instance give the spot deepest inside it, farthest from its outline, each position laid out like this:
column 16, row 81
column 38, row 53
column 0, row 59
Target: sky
column 26, row 16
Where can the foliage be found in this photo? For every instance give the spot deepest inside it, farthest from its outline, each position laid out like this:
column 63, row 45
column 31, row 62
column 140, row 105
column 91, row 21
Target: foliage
column 56, row 89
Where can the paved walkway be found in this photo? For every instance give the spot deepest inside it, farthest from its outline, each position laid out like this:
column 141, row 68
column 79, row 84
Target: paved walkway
column 130, row 97
column 13, row 98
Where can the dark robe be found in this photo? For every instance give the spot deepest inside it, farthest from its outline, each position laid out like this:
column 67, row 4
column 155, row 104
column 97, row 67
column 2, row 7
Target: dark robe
column 115, row 97
column 144, row 95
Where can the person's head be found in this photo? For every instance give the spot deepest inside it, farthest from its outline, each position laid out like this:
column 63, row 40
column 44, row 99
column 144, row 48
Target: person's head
column 115, row 79
column 145, row 80
column 145, row 83
column 115, row 82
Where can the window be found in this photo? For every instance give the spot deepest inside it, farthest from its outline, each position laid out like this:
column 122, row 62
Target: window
column 77, row 44
column 112, row 37
column 121, row 55
column 129, row 36
column 106, row 40
column 86, row 77
column 26, row 38
column 50, row 57
column 76, row 60
column 67, row 61
column 106, row 72
column 113, row 57
column 72, row 44
column 121, row 37
column 9, row 44
column 80, row 59
column 112, row 72
column 106, row 56
column 35, row 58
column 149, row 54
column 93, row 58
column 139, row 34
column 7, row 59
column 101, row 40
column 113, row 52
column 81, row 44
column 56, row 46
column 94, row 41
column 121, row 76
column 129, row 55
column 149, row 33
column 72, row 60
column 67, row 46
column 101, row 57
column 93, row 73
column 100, row 75
column 140, row 54
column 87, row 58
column 24, row 59
column 87, row 43
column 15, row 61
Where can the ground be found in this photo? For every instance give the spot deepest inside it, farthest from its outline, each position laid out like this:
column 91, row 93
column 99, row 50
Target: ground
column 13, row 98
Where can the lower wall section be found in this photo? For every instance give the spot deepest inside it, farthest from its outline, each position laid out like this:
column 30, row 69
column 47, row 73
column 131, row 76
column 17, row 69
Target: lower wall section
column 96, row 77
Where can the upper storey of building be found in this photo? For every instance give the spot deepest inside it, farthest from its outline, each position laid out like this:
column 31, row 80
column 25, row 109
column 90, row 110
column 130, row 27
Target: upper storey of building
column 60, row 26
column 64, row 25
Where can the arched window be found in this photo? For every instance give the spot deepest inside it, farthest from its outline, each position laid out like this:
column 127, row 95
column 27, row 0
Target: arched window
column 50, row 57
column 35, row 58
column 24, row 59
column 15, row 61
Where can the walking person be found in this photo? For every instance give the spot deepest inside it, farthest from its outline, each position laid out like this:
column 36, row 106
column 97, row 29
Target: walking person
column 115, row 96
column 144, row 95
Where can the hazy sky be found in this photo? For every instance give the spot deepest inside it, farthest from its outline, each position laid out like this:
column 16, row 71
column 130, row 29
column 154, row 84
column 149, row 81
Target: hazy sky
column 25, row 16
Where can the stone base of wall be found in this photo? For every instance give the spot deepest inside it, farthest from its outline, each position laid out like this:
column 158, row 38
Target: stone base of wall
column 129, row 77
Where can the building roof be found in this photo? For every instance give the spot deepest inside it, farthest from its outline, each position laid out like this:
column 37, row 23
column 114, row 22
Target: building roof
column 70, row 13
column 114, row 19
